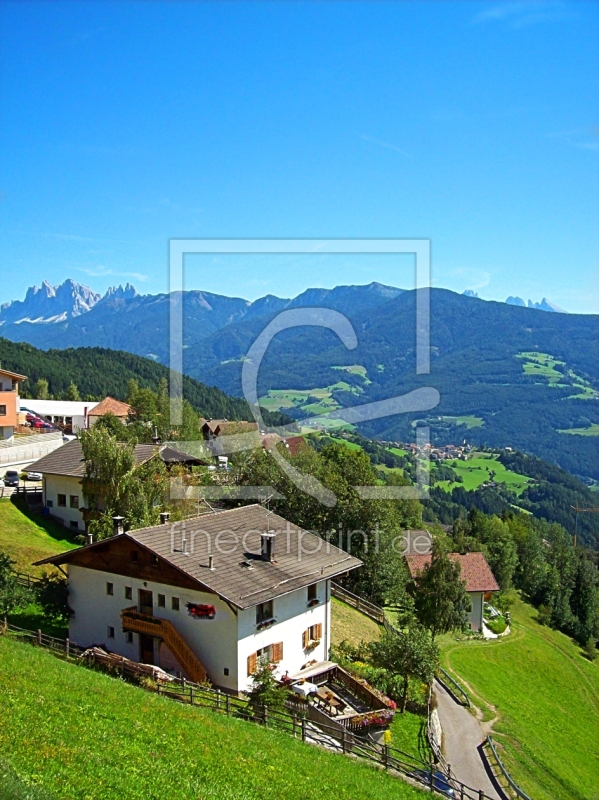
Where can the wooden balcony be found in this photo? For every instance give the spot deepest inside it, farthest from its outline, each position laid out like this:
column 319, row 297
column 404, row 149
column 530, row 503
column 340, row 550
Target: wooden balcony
column 133, row 620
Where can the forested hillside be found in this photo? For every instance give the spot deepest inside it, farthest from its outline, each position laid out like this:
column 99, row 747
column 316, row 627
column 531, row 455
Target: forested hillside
column 98, row 372
column 521, row 377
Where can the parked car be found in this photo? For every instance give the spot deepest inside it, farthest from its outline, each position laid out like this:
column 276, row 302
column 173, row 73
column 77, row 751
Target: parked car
column 11, row 478
column 440, row 782
column 34, row 476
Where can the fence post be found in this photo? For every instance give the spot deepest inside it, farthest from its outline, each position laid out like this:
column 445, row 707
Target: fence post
column 294, row 725
column 228, row 704
column 183, row 685
column 303, row 729
column 67, row 647
column 430, row 778
column 386, row 756
column 38, row 637
column 462, row 791
column 218, row 699
column 191, row 695
column 343, row 742
column 481, row 795
column 265, row 715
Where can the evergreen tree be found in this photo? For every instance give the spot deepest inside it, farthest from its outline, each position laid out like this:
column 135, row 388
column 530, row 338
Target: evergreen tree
column 72, row 392
column 265, row 690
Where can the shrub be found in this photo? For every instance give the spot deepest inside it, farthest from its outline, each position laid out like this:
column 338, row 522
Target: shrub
column 497, row 625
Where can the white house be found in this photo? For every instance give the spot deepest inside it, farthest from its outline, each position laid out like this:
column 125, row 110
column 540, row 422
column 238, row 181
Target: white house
column 476, row 574
column 62, row 473
column 69, row 415
column 208, row 596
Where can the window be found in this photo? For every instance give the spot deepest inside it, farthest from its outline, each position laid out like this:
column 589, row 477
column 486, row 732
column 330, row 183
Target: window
column 129, row 637
column 61, row 500
column 312, row 592
column 135, row 556
column 110, row 632
column 316, row 632
column 270, row 655
column 154, row 560
column 161, row 601
column 226, row 670
column 128, row 593
column 50, row 503
column 74, row 501
column 74, row 524
column 110, row 588
column 175, row 603
column 2, row 411
column 264, row 612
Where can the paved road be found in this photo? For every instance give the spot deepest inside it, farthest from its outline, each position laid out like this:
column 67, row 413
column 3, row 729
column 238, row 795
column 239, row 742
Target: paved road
column 462, row 735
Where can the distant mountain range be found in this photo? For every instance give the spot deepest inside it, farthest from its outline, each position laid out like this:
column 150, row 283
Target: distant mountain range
column 508, row 374
column 544, row 305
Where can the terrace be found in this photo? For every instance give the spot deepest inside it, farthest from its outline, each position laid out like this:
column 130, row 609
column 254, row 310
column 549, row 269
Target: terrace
column 327, row 689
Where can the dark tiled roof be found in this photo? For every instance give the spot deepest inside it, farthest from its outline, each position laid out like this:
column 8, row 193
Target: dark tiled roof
column 171, row 455
column 233, row 538
column 111, row 406
column 68, row 459
column 475, row 570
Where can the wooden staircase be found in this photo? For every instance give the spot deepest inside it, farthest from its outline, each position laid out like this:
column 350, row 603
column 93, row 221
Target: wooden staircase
column 133, row 620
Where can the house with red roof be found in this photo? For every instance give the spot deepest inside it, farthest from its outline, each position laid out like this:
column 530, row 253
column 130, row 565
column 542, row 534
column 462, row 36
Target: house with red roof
column 475, row 572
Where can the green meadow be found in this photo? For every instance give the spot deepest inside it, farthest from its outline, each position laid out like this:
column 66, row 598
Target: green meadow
column 476, row 471
column 542, row 697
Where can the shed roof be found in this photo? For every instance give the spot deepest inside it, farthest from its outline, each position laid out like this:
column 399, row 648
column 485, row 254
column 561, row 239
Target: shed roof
column 475, row 570
column 14, row 375
column 68, row 459
column 233, row 537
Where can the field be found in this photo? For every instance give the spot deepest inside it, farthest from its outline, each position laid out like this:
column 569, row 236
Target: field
column 77, row 733
column 476, row 469
column 556, row 373
column 26, row 538
column 592, row 430
column 356, row 369
column 469, row 420
column 545, row 697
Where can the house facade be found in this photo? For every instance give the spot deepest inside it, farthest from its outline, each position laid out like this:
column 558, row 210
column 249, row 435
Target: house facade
column 71, row 416
column 476, row 574
column 9, row 402
column 62, row 476
column 208, row 597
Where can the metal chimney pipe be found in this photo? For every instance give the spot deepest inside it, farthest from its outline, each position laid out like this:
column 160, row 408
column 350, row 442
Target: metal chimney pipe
column 211, row 563
column 267, row 546
column 90, row 538
column 117, row 525
column 164, row 517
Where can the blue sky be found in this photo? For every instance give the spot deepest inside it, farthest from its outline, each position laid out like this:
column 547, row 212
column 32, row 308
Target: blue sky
column 473, row 124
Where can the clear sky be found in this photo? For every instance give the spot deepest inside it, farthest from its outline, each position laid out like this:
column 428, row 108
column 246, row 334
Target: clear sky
column 473, row 124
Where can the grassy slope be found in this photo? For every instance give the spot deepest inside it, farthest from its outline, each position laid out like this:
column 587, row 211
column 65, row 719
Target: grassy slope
column 27, row 538
column 351, row 625
column 546, row 696
column 475, row 471
column 81, row 734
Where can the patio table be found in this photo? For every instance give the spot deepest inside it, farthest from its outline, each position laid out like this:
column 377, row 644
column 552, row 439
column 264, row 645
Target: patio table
column 305, row 688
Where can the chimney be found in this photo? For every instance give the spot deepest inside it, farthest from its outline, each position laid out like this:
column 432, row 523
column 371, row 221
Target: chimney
column 211, row 563
column 90, row 538
column 155, row 438
column 267, row 546
column 165, row 517
column 117, row 525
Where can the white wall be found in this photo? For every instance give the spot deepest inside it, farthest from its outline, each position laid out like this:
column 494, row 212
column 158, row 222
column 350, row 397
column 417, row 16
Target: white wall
column 214, row 641
column 476, row 613
column 292, row 618
column 53, row 485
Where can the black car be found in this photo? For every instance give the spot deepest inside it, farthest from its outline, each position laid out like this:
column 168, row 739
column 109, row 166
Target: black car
column 11, row 478
column 440, row 782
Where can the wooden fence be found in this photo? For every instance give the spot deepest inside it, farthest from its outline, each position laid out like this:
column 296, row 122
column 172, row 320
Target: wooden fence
column 288, row 721
column 370, row 609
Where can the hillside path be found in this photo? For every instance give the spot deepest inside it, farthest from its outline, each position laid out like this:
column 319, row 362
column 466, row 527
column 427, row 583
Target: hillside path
column 462, row 735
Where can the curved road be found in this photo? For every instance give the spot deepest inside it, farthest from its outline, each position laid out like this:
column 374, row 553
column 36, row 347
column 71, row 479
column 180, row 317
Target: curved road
column 462, row 735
